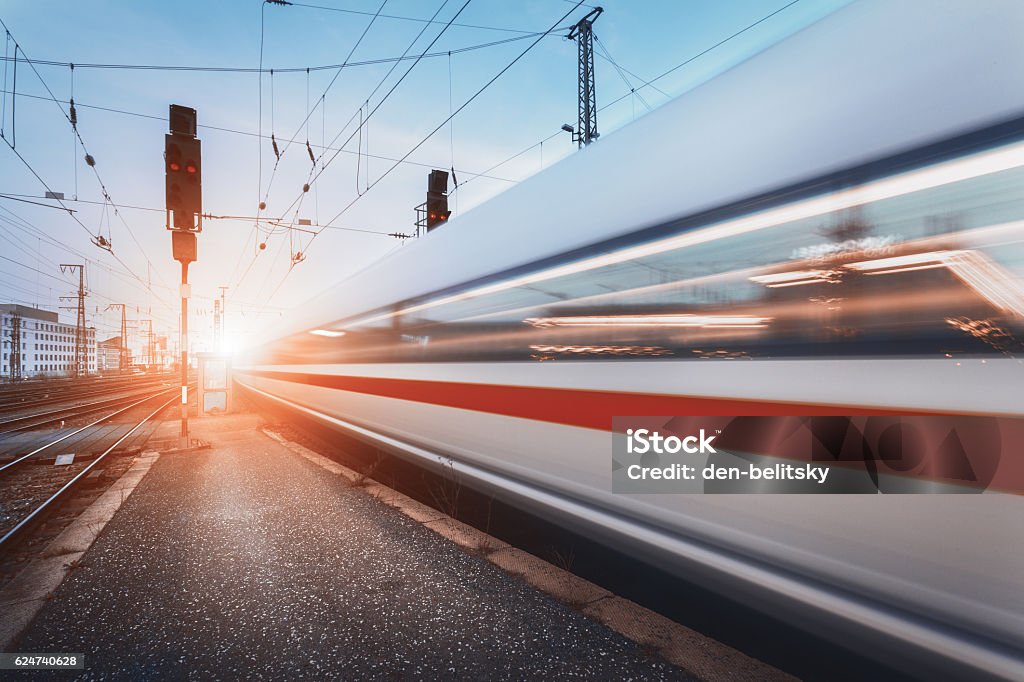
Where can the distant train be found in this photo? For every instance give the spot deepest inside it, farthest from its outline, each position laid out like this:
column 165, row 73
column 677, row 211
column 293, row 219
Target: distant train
column 833, row 227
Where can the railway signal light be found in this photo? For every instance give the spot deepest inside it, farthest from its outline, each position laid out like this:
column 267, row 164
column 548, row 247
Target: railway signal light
column 437, row 212
column 437, row 199
column 183, row 171
column 184, row 188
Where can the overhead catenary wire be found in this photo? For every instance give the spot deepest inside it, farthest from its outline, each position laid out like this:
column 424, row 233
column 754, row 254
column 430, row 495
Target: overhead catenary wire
column 233, row 131
column 21, row 223
column 297, row 203
column 74, row 129
column 608, row 58
column 96, row 238
column 618, row 69
column 423, row 141
column 14, row 87
column 278, row 70
column 451, row 116
column 703, row 52
column 277, row 222
column 432, row 20
column 646, row 83
column 305, row 121
column 315, row 174
column 3, row 108
column 451, row 131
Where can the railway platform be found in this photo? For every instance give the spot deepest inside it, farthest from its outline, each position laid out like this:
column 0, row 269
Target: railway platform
column 258, row 559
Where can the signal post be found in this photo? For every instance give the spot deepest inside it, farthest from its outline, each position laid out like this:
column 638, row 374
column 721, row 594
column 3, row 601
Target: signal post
column 184, row 195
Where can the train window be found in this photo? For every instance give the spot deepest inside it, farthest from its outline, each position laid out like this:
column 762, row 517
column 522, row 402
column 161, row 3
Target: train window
column 923, row 262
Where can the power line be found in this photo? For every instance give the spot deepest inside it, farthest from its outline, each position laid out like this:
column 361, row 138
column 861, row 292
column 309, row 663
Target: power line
column 43, row 183
column 309, row 112
column 234, row 131
column 424, row 21
column 13, row 197
column 293, row 69
column 441, row 125
column 297, row 202
column 22, row 197
column 276, row 222
column 16, row 239
column 646, row 83
column 608, row 55
column 453, row 114
column 40, row 234
column 97, row 239
column 704, row 52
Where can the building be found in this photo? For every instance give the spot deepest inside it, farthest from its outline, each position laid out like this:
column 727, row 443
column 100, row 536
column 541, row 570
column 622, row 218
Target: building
column 109, row 355
column 47, row 344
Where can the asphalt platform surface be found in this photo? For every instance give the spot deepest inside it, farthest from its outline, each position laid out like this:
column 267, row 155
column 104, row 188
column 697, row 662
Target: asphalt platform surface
column 246, row 561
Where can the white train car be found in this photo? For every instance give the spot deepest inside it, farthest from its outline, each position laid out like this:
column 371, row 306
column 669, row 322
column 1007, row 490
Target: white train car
column 833, row 227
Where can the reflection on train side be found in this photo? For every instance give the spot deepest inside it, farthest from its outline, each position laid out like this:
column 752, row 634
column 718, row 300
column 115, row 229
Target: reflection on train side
column 924, row 263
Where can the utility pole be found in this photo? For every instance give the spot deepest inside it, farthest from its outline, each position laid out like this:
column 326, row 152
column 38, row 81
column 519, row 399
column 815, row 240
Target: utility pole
column 122, row 362
column 216, row 324
column 184, row 197
column 583, row 34
column 80, row 351
column 15, row 346
column 223, row 312
column 149, row 342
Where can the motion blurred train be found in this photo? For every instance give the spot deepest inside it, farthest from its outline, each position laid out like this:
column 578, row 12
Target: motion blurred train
column 833, row 227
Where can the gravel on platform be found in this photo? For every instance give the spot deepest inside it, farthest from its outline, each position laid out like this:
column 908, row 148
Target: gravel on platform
column 248, row 562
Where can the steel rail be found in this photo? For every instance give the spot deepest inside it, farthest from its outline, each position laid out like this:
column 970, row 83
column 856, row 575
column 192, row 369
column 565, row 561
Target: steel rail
column 31, row 399
column 43, row 418
column 8, row 540
column 66, row 436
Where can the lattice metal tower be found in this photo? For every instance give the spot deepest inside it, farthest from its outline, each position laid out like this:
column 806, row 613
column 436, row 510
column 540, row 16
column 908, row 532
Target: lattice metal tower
column 583, row 34
column 81, row 352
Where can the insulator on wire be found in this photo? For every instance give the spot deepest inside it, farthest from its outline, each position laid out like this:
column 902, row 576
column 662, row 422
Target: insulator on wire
column 273, row 141
column 89, row 161
column 305, row 188
column 74, row 115
column 310, row 150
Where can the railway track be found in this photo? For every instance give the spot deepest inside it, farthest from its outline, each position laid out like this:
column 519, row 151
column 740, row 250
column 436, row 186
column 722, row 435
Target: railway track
column 62, row 414
column 14, row 400
column 63, row 437
column 64, row 488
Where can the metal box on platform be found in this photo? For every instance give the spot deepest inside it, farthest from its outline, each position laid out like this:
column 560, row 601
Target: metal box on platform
column 214, row 383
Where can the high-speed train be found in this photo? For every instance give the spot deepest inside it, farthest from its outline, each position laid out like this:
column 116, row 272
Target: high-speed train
column 833, row 228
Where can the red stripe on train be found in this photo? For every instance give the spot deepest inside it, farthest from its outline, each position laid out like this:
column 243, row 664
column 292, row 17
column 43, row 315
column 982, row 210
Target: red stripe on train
column 573, row 407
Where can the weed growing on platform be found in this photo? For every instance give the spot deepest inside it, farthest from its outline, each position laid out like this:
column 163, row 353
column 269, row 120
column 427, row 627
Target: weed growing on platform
column 364, row 476
column 446, row 493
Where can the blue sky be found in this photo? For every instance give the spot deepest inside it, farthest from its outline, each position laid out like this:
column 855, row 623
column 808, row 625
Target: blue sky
column 527, row 104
